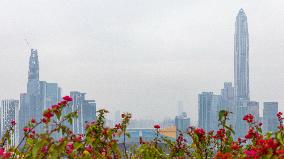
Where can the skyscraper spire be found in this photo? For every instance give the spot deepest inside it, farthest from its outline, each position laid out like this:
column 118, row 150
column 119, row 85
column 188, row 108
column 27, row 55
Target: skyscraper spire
column 33, row 65
column 33, row 77
column 241, row 57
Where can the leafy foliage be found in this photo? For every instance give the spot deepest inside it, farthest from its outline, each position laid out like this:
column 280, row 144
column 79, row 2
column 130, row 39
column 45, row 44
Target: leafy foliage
column 101, row 142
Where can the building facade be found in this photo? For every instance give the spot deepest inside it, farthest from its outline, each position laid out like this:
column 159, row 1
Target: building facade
column 182, row 123
column 270, row 121
column 208, row 108
column 241, row 58
column 9, row 110
column 86, row 111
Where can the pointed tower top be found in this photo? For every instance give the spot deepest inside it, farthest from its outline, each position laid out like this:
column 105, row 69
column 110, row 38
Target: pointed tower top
column 241, row 11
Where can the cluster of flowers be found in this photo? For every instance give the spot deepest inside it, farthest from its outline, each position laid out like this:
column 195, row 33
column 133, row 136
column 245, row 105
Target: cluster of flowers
column 100, row 141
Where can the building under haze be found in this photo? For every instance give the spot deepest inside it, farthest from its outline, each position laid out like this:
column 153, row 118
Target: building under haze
column 9, row 110
column 227, row 102
column 40, row 95
column 241, row 71
column 270, row 121
column 30, row 102
column 86, row 111
column 182, row 123
column 241, row 58
column 208, row 107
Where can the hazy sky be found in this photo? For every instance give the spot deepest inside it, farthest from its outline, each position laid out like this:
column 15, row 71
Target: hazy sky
column 141, row 56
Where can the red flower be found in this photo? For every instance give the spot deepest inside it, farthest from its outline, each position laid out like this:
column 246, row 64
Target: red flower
column 235, row 146
column 157, row 126
column 280, row 152
column 33, row 121
column 44, row 120
column 200, row 132
column 89, row 148
column 69, row 148
column 251, row 153
column 118, row 126
column 220, row 134
column 48, row 114
column 44, row 149
column 67, row 98
column 26, row 129
column 248, row 118
column 13, row 122
column 221, row 155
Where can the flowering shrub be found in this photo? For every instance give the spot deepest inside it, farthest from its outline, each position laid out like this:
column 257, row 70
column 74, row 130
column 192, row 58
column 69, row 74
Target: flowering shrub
column 100, row 141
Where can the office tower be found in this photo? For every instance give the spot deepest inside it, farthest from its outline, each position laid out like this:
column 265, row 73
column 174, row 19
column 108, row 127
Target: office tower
column 241, row 125
column 86, row 111
column 227, row 103
column 208, row 107
column 270, row 121
column 182, row 122
column 241, row 58
column 8, row 112
column 227, row 95
column 253, row 108
column 247, row 107
column 89, row 111
column 50, row 94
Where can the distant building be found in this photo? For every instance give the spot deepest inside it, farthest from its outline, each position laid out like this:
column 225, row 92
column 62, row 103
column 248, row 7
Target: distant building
column 270, row 121
column 182, row 122
column 241, row 125
column 246, row 107
column 227, row 103
column 208, row 107
column 8, row 112
column 86, row 111
column 50, row 94
column 253, row 108
column 241, row 58
column 241, row 71
column 30, row 102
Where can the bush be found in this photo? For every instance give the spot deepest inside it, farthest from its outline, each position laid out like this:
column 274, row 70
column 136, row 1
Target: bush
column 101, row 142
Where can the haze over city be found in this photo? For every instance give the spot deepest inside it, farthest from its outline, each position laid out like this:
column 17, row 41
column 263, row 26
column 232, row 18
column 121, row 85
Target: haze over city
column 141, row 56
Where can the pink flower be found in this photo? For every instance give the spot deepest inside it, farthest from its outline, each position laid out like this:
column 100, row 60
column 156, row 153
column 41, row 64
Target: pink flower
column 67, row 98
column 250, row 153
column 200, row 132
column 69, row 148
column 33, row 121
column 13, row 122
column 157, row 126
column 248, row 118
column 27, row 129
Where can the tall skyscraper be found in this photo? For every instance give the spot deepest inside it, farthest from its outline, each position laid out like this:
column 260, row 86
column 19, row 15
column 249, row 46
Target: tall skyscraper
column 270, row 121
column 241, row 71
column 9, row 110
column 30, row 102
column 241, row 58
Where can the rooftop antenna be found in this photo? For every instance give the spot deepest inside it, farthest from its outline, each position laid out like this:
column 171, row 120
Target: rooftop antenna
column 28, row 44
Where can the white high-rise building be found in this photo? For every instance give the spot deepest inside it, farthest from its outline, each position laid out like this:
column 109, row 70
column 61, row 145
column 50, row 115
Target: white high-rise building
column 8, row 112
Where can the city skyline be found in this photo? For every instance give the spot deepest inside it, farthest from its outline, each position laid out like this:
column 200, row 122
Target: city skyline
column 145, row 80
